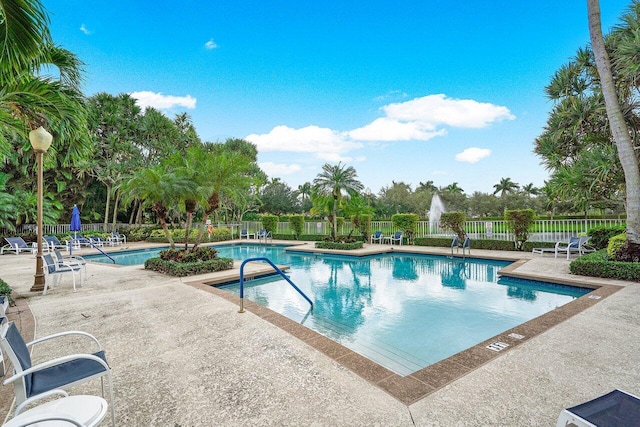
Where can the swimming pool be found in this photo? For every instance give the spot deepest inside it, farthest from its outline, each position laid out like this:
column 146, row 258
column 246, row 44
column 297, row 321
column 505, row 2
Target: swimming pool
column 404, row 311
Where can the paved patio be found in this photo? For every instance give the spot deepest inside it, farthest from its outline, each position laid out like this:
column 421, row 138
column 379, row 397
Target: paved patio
column 183, row 356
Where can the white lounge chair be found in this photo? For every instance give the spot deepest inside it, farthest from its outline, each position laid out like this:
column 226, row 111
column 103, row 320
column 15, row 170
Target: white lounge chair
column 378, row 236
column 575, row 245
column 17, row 245
column 54, row 243
column 617, row 408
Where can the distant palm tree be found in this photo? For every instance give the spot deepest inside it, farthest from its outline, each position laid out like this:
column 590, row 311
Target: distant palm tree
column 454, row 188
column 505, row 186
column 427, row 186
column 305, row 191
column 333, row 180
column 530, row 190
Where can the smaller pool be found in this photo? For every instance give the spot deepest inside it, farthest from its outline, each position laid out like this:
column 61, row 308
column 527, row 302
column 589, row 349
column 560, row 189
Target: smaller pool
column 238, row 251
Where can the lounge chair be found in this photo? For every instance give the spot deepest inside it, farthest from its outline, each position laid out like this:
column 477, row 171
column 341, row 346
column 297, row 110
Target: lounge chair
column 96, row 241
column 54, row 243
column 245, row 233
column 617, row 408
column 117, row 239
column 378, row 236
column 79, row 241
column 17, row 245
column 54, row 270
column 30, row 381
column 575, row 245
column 397, row 237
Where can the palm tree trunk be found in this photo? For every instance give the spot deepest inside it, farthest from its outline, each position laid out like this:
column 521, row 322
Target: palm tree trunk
column 115, row 211
column 334, row 225
column 619, row 129
column 133, row 212
column 106, row 208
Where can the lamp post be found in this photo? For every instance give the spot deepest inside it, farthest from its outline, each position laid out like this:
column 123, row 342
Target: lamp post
column 40, row 141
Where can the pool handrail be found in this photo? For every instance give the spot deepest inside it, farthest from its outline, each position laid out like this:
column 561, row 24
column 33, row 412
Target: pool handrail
column 95, row 247
column 275, row 267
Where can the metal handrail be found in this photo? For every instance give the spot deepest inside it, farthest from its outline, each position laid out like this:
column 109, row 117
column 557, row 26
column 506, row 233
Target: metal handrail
column 94, row 246
column 284, row 276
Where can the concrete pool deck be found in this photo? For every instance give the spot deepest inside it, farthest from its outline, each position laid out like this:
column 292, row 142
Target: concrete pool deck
column 183, row 356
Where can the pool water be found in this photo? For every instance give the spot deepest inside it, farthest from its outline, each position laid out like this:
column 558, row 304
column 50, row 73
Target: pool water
column 405, row 311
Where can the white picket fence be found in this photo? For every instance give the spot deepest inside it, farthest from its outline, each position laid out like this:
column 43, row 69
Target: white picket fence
column 545, row 230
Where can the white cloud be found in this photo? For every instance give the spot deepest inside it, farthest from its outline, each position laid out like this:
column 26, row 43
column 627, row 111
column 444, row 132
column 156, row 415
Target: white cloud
column 438, row 109
column 325, row 143
column 210, row 44
column 386, row 129
column 473, row 155
column 84, row 29
column 162, row 102
column 278, row 169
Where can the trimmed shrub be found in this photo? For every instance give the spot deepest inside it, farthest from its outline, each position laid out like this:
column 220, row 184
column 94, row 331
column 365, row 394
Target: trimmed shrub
column 297, row 224
column 454, row 221
column 495, row 245
column 157, row 236
column 599, row 236
column 181, row 269
column 519, row 222
column 5, row 289
column 339, row 245
column 270, row 223
column 308, row 237
column 180, row 255
column 615, row 244
column 407, row 223
column 363, row 224
column 597, row 264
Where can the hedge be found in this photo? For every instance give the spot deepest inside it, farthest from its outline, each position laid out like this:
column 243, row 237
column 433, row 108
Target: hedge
column 339, row 245
column 181, row 269
column 219, row 235
column 599, row 236
column 496, row 245
column 597, row 264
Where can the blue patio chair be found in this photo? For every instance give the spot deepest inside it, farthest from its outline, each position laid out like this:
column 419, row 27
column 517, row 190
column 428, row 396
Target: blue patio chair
column 71, row 260
column 54, row 270
column 263, row 234
column 17, row 245
column 397, row 237
column 245, row 233
column 54, row 243
column 31, row 381
column 378, row 236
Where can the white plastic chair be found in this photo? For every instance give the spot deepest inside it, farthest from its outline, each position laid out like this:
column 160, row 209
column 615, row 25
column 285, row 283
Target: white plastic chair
column 378, row 236
column 54, row 270
column 575, row 245
column 30, row 381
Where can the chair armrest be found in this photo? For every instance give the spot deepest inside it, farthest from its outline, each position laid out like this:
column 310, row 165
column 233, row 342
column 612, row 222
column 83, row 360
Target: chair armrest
column 65, row 333
column 54, row 362
column 39, row 418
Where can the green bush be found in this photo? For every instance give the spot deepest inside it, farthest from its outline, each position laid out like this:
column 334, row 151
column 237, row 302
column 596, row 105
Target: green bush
column 297, row 224
column 599, row 236
column 270, row 223
column 454, row 221
column 363, row 224
column 181, row 269
column 5, row 289
column 218, row 235
column 597, row 264
column 518, row 223
column 180, row 255
column 308, row 237
column 138, row 234
column 615, row 244
column 339, row 245
column 407, row 223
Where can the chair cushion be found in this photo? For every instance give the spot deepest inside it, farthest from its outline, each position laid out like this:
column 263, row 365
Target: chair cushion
column 65, row 373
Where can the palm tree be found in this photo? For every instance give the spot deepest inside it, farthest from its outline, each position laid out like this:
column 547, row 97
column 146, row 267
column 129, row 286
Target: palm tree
column 530, row 190
column 333, row 180
column 428, row 186
column 29, row 99
column 161, row 188
column 453, row 188
column 505, row 186
column 619, row 129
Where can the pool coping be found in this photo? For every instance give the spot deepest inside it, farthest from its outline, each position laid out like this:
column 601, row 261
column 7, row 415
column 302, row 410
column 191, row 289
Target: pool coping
column 417, row 385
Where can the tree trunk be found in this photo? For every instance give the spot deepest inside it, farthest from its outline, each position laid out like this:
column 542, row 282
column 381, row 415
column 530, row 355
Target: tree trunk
column 106, row 209
column 334, row 225
column 133, row 212
column 115, row 211
column 619, row 129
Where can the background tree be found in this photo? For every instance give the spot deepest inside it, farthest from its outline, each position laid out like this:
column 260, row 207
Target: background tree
column 278, row 198
column 505, row 186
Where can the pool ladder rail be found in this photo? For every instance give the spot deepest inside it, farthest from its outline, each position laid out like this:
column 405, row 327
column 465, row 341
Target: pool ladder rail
column 465, row 245
column 277, row 270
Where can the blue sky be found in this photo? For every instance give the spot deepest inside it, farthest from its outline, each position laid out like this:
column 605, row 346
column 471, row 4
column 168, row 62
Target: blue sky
column 401, row 90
